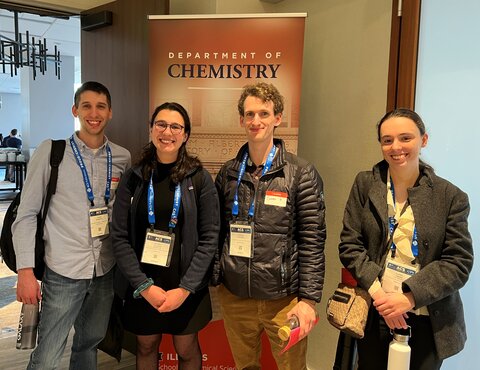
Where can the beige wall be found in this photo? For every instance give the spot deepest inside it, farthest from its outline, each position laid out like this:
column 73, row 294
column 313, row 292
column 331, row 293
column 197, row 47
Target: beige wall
column 343, row 96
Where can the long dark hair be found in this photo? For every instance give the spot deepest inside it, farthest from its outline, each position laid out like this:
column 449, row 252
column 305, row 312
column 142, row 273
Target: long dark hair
column 185, row 162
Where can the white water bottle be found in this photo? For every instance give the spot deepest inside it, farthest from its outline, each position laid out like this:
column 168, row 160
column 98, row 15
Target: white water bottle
column 27, row 327
column 399, row 352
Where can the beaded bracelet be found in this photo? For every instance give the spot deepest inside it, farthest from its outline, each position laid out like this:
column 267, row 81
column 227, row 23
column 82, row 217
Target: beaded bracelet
column 146, row 284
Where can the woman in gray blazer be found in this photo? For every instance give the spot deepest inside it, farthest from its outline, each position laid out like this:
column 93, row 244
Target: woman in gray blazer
column 405, row 239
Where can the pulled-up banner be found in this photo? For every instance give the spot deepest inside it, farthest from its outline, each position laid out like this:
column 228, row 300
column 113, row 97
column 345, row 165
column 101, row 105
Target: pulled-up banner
column 202, row 62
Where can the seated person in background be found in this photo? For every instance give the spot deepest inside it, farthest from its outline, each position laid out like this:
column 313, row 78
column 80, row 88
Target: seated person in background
column 12, row 141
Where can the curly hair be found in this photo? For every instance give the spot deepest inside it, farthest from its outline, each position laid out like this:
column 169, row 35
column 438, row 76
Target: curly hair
column 263, row 91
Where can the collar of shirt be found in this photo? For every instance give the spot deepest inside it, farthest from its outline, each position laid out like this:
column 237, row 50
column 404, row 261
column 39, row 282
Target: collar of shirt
column 83, row 147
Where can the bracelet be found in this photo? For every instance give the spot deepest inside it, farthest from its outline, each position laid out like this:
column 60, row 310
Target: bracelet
column 146, row 284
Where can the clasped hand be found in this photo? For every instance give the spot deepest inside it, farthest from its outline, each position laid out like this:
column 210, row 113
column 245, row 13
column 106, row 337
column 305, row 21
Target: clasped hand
column 165, row 301
column 393, row 307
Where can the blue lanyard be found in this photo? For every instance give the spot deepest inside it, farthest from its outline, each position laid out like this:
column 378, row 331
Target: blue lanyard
column 391, row 227
column 86, row 179
column 151, row 205
column 243, row 166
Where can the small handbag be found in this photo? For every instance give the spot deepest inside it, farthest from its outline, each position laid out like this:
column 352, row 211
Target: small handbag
column 347, row 309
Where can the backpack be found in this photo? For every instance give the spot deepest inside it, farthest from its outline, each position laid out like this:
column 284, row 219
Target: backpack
column 6, row 242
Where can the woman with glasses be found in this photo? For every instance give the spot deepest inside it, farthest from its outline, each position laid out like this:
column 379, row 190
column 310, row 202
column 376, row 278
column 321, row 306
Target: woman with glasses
column 165, row 233
column 405, row 238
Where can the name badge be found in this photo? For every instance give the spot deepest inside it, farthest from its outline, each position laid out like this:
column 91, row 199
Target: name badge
column 158, row 248
column 276, row 198
column 98, row 221
column 241, row 239
column 395, row 274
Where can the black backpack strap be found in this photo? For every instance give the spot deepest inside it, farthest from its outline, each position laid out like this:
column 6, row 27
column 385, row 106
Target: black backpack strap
column 56, row 156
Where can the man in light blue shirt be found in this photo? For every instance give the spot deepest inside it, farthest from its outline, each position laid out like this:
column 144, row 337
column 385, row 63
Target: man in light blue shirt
column 77, row 287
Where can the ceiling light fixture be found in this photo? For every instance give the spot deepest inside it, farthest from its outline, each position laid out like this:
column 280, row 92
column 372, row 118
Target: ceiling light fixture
column 27, row 52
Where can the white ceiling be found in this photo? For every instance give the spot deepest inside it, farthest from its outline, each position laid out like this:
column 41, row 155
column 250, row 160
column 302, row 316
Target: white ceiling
column 74, row 6
column 65, row 34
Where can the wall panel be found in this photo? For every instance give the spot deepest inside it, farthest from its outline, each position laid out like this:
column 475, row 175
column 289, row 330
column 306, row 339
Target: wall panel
column 117, row 56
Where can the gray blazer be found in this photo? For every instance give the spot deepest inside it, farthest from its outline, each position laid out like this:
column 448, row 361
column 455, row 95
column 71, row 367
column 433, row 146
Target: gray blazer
column 445, row 246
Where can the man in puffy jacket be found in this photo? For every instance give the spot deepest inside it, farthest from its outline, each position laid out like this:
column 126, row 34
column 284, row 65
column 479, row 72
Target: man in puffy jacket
column 271, row 260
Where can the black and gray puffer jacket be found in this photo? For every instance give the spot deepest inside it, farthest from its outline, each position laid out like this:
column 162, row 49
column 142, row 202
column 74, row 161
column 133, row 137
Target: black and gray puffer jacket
column 288, row 241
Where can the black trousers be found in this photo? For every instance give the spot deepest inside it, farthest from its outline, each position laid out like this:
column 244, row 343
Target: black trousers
column 373, row 348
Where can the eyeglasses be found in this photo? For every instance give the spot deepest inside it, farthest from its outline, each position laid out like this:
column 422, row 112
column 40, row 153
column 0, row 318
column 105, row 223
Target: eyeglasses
column 175, row 128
